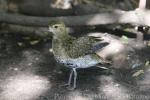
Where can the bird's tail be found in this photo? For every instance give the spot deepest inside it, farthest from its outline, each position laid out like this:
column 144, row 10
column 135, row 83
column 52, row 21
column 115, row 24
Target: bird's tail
column 104, row 61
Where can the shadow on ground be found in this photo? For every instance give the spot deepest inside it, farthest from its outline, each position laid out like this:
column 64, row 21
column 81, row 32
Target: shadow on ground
column 31, row 73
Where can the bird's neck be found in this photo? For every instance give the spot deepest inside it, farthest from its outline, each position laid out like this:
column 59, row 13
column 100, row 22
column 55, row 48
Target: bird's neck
column 62, row 38
column 59, row 45
column 60, row 35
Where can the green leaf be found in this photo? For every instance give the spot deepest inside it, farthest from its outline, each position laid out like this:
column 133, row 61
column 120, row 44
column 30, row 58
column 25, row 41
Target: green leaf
column 125, row 39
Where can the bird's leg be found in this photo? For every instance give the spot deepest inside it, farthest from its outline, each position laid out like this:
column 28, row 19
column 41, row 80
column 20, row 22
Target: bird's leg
column 70, row 78
column 73, row 71
column 74, row 80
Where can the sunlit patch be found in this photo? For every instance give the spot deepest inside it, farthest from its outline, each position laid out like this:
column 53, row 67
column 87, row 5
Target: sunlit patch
column 24, row 87
column 113, row 90
column 62, row 4
column 107, row 18
column 76, row 95
column 147, row 21
column 114, row 48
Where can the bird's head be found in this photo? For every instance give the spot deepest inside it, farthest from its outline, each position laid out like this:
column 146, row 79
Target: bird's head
column 57, row 28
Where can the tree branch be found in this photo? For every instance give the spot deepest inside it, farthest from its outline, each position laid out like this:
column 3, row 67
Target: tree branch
column 26, row 30
column 138, row 17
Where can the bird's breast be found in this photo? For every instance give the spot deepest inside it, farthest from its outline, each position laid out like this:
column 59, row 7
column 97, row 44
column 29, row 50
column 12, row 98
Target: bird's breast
column 62, row 56
column 81, row 62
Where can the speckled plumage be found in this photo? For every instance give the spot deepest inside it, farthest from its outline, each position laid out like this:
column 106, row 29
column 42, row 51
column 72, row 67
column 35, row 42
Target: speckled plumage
column 74, row 52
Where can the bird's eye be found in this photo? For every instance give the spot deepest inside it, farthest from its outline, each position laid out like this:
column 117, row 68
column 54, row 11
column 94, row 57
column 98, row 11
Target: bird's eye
column 55, row 26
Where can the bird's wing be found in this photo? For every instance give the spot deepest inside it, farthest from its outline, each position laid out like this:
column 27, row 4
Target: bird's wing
column 84, row 45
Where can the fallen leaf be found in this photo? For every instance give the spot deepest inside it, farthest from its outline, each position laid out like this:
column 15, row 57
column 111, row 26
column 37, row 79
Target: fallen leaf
column 50, row 50
column 125, row 39
column 34, row 42
column 147, row 63
column 139, row 72
column 20, row 44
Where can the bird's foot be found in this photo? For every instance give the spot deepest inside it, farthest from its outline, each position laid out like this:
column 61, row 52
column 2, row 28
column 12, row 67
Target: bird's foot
column 70, row 88
column 65, row 85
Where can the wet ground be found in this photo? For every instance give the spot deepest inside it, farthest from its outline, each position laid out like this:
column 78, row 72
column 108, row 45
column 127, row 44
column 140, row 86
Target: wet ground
column 29, row 72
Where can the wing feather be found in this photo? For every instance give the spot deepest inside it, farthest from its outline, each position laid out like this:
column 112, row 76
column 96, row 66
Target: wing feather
column 83, row 46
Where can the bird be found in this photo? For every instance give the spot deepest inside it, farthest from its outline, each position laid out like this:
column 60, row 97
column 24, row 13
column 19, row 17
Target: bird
column 73, row 52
